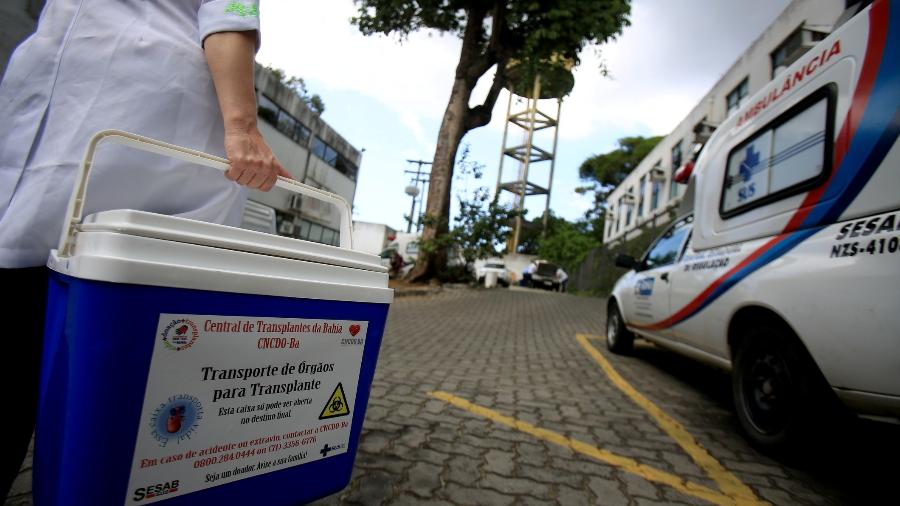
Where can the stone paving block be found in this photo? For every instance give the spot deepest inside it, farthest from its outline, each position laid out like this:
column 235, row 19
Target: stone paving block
column 462, row 470
column 567, row 496
column 550, row 475
column 421, row 454
column 499, row 461
column 582, row 465
column 422, row 479
column 515, row 486
column 376, row 441
column 636, row 486
column 754, row 468
column 672, row 496
column 776, row 496
column 608, row 491
column 412, row 437
column 472, row 496
column 414, row 500
column 373, row 488
column 384, row 461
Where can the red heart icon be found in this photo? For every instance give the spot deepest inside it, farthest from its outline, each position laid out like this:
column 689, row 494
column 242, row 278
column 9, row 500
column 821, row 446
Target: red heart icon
column 354, row 329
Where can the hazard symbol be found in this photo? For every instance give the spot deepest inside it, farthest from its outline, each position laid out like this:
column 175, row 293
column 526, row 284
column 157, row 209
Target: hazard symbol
column 336, row 405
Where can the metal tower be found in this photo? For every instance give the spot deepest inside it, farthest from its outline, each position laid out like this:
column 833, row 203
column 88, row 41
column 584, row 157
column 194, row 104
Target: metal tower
column 530, row 120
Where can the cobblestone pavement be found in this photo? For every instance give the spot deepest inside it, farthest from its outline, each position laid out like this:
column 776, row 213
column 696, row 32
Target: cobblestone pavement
column 512, row 357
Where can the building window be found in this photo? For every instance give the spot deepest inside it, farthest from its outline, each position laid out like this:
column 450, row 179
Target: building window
column 640, row 196
column 304, row 229
column 676, row 164
column 629, row 206
column 788, row 156
column 331, row 157
column 794, row 46
column 267, row 110
column 656, row 187
column 620, row 215
column 735, row 98
column 274, row 115
column 314, row 232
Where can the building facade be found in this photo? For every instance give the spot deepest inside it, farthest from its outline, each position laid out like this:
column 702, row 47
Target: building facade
column 649, row 194
column 313, row 152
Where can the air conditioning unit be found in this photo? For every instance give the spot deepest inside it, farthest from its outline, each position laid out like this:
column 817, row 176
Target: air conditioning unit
column 703, row 131
column 286, row 228
column 628, row 199
column 295, row 202
column 657, row 174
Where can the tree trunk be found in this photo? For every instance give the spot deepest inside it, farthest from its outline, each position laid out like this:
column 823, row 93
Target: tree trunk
column 437, row 210
column 475, row 58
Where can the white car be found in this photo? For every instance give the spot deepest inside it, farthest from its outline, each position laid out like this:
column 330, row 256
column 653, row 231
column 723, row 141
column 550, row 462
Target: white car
column 786, row 270
column 496, row 266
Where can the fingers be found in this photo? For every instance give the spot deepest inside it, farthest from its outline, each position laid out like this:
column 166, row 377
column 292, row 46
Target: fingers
column 252, row 162
column 284, row 173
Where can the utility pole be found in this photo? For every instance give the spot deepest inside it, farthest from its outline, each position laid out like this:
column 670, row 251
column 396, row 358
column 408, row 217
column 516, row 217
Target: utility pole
column 413, row 189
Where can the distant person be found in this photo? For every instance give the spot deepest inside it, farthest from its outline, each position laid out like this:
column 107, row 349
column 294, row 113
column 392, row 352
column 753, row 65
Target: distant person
column 526, row 274
column 397, row 263
column 178, row 71
column 563, row 279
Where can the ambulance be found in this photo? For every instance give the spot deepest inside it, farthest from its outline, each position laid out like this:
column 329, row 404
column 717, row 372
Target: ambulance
column 785, row 267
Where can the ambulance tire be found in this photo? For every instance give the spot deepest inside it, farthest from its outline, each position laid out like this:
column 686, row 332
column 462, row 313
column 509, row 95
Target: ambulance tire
column 779, row 394
column 619, row 339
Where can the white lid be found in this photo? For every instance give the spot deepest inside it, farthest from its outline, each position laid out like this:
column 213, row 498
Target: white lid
column 171, row 228
column 126, row 246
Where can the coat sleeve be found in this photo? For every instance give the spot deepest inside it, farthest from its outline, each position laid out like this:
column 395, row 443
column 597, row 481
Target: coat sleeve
column 228, row 16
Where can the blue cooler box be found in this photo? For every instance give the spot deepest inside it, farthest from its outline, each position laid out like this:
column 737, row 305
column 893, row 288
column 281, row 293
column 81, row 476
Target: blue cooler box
column 192, row 363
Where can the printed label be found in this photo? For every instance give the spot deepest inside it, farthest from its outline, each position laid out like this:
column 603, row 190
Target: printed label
column 233, row 397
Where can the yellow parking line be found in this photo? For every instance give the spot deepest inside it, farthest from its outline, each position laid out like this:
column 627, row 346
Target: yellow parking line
column 729, row 483
column 624, row 463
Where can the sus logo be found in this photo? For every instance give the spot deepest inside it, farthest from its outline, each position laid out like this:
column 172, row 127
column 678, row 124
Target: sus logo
column 644, row 287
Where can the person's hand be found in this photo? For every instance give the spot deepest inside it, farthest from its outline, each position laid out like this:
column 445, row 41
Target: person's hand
column 252, row 162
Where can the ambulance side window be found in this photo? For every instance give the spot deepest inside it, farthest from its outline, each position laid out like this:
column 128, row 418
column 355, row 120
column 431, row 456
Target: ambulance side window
column 669, row 245
column 791, row 154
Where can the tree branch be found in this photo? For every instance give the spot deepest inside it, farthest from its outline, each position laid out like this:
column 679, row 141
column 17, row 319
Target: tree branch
column 471, row 52
column 480, row 115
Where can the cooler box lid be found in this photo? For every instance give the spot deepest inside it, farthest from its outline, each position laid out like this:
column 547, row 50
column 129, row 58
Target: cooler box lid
column 139, row 247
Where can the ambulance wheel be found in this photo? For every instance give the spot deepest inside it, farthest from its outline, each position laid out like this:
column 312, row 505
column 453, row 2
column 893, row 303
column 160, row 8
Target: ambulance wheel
column 619, row 339
column 779, row 394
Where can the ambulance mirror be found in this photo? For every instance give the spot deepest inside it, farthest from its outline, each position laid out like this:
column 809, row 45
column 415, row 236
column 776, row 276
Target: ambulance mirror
column 627, row 261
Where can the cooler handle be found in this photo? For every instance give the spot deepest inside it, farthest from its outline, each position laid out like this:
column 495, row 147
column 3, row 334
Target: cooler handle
column 76, row 202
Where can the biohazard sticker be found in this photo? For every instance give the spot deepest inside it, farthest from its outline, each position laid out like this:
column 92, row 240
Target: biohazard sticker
column 229, row 398
column 336, row 405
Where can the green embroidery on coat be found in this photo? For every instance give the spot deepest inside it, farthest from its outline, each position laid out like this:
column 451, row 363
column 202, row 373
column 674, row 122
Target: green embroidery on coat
column 243, row 10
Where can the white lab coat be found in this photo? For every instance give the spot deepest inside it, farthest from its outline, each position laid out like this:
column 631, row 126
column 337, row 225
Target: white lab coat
column 127, row 64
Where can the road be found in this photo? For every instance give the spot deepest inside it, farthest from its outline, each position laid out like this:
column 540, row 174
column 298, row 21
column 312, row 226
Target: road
column 458, row 369
column 496, row 397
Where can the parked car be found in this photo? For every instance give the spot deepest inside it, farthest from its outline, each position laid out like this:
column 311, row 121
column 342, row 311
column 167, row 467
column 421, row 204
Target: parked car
column 482, row 267
column 546, row 275
column 785, row 271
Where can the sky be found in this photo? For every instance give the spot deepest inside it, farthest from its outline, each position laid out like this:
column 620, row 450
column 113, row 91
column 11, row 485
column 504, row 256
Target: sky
column 388, row 97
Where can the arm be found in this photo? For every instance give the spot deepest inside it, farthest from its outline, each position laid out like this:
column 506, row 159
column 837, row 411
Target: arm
column 230, row 58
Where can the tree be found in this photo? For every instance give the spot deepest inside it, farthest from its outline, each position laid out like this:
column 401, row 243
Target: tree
column 608, row 170
column 482, row 223
column 493, row 33
column 298, row 86
column 567, row 244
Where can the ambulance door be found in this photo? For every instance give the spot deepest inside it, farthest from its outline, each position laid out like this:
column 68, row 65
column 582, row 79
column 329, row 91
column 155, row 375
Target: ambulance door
column 653, row 282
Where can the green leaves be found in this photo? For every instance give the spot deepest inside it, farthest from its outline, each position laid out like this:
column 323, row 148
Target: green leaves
column 298, row 86
column 533, row 31
column 566, row 244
